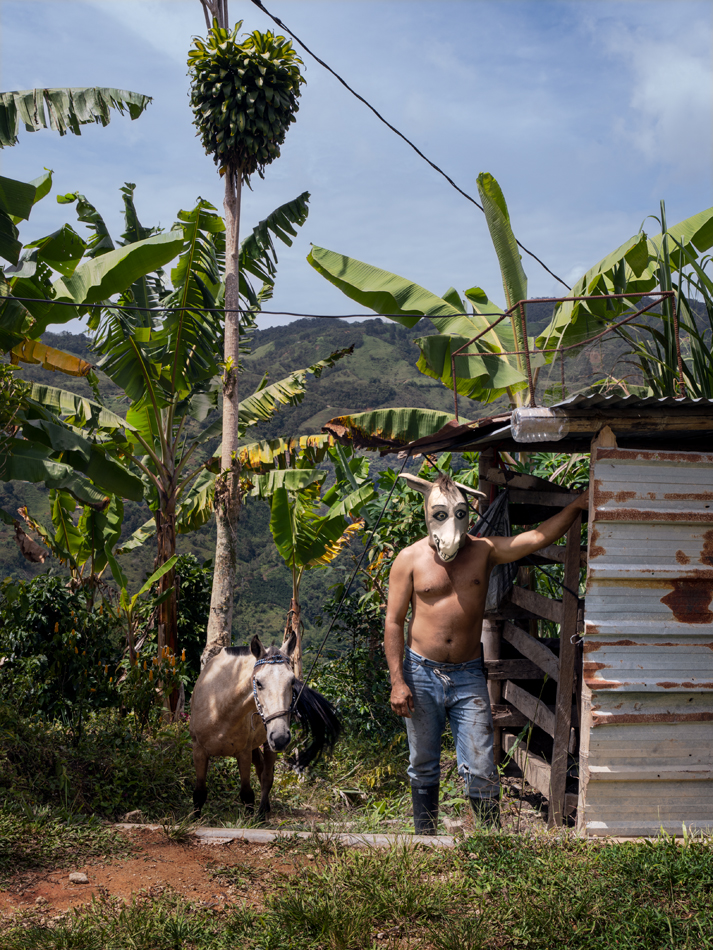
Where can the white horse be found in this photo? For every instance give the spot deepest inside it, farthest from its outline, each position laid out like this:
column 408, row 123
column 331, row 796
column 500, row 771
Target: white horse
column 244, row 700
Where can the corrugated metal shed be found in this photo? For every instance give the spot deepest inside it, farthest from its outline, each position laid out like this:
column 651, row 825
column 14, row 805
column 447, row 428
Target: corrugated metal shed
column 647, row 712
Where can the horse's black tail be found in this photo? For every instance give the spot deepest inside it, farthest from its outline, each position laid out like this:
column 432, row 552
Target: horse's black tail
column 319, row 719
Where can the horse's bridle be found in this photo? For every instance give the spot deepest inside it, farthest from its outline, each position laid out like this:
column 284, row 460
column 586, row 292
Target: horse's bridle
column 268, row 661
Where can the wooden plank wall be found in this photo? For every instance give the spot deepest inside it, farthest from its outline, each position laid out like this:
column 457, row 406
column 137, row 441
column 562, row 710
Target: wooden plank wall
column 531, row 501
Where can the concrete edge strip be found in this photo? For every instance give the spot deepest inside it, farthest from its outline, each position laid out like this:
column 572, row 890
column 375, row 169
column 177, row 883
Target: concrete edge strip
column 265, row 836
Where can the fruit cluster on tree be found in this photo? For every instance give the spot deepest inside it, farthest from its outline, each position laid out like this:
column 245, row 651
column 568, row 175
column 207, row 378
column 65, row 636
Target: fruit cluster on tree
column 244, row 96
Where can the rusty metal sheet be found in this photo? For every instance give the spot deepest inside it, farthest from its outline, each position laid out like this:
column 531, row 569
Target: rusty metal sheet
column 647, row 759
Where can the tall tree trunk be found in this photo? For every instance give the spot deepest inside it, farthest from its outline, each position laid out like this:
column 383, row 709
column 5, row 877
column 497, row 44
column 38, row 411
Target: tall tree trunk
column 227, row 494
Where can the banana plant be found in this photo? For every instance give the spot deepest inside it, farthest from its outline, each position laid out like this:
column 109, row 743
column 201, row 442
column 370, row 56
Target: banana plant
column 484, row 372
column 81, row 546
column 64, row 109
column 639, row 265
column 311, row 528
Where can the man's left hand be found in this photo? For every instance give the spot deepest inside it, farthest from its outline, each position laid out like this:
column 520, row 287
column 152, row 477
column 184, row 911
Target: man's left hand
column 583, row 500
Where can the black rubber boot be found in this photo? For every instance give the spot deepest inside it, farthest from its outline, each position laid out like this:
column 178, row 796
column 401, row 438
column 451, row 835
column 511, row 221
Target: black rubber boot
column 425, row 809
column 486, row 812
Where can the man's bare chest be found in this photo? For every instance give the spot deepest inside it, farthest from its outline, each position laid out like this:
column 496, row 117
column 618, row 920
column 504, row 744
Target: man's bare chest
column 464, row 577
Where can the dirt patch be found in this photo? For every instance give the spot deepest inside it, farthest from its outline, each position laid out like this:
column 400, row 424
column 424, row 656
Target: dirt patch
column 192, row 870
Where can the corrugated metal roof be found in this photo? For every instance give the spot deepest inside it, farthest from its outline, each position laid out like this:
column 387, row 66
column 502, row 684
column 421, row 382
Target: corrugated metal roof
column 496, row 430
column 631, row 403
column 647, row 741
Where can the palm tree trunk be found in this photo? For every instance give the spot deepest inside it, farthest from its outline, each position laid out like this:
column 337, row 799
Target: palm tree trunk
column 227, row 494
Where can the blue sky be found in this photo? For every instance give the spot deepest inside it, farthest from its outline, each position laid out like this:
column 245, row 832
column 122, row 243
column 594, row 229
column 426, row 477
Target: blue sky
column 587, row 113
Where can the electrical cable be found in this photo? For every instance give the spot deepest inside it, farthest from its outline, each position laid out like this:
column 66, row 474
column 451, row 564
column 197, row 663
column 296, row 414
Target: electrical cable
column 322, row 316
column 378, row 115
column 351, row 580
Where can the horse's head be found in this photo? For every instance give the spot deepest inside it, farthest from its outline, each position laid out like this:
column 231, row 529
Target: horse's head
column 273, row 679
column 446, row 512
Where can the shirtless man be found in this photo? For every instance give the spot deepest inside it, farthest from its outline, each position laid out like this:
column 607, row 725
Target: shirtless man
column 444, row 579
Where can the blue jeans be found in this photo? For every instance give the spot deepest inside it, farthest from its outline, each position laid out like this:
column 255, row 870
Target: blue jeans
column 456, row 692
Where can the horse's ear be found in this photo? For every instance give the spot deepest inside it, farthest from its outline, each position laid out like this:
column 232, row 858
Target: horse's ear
column 418, row 484
column 288, row 647
column 471, row 491
column 256, row 647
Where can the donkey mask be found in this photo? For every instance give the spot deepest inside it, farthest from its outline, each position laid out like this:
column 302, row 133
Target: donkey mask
column 446, row 512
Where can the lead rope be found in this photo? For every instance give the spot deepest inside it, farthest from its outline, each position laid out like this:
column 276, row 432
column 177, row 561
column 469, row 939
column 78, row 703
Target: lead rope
column 351, row 581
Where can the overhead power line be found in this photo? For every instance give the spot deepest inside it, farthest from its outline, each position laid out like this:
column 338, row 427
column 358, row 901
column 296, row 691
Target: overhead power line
column 393, row 128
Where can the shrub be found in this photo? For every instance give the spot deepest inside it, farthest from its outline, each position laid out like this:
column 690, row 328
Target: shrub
column 59, row 652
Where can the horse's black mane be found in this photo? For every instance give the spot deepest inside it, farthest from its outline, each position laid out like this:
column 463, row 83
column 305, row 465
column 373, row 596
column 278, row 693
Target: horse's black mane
column 320, row 723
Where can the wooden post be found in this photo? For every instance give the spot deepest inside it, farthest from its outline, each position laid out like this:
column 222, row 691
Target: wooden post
column 565, row 685
column 490, row 646
column 492, row 628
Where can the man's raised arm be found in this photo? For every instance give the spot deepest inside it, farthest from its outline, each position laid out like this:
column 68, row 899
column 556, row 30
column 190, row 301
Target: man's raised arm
column 400, row 593
column 506, row 550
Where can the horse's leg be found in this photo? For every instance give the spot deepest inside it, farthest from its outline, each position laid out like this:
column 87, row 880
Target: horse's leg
column 247, row 795
column 257, row 762
column 200, row 792
column 266, row 779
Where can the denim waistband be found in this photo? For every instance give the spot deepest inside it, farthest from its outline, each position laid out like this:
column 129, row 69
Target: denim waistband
column 445, row 667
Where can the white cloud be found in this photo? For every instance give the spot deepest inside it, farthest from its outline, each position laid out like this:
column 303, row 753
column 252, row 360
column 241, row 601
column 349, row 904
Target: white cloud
column 670, row 59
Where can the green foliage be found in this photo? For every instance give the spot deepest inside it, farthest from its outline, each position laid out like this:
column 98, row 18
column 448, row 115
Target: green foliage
column 243, row 96
column 654, row 346
column 66, row 109
column 58, row 651
column 359, row 680
column 12, row 396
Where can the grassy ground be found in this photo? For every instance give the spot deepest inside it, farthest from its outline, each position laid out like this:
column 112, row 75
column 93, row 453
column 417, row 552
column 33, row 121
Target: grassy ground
column 494, row 891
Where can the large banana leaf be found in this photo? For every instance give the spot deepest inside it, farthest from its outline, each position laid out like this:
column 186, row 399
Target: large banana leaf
column 68, row 538
column 100, row 241
column 98, row 279
column 379, row 290
column 34, row 352
column 100, row 530
column 291, row 479
column 481, row 375
column 302, row 539
column 193, row 337
column 501, row 234
column 400, row 298
column 382, row 428
column 258, row 256
column 31, row 462
column 16, row 201
column 84, row 456
column 80, row 411
column 196, row 503
column 63, row 110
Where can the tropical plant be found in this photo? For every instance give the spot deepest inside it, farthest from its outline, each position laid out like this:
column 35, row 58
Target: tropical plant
column 244, row 97
column 310, row 529
column 674, row 354
column 81, row 546
column 64, row 110
column 495, row 364
column 58, row 651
